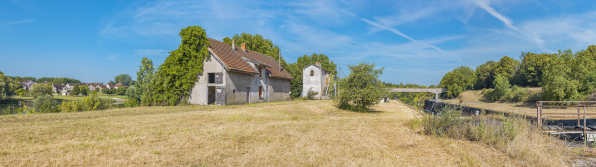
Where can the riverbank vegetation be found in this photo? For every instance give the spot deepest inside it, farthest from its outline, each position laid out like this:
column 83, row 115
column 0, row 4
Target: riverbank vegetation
column 515, row 136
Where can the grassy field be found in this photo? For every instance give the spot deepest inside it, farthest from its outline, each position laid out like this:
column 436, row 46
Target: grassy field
column 60, row 97
column 297, row 133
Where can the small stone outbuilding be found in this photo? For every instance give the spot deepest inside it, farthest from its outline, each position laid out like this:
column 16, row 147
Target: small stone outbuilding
column 315, row 78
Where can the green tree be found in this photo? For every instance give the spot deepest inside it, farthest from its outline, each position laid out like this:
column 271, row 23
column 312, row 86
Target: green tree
column 124, row 79
column 84, row 90
column 326, row 63
column 362, row 88
column 258, row 44
column 45, row 79
column 557, row 85
column 532, row 68
column 483, row 73
column 21, row 92
column 177, row 75
column 501, row 91
column 143, row 85
column 295, row 70
column 458, row 80
column 41, row 90
column 7, row 86
column 121, row 90
column 505, row 67
column 76, row 90
column 64, row 80
column 45, row 104
column 131, row 92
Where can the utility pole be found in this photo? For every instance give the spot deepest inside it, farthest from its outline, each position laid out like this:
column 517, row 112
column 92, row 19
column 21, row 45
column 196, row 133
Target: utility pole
column 337, row 90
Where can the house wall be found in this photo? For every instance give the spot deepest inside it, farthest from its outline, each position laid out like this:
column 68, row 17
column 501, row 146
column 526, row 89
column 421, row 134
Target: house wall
column 198, row 94
column 235, row 84
column 315, row 82
column 279, row 89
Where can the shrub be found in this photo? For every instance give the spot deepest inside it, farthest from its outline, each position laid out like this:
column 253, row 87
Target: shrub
column 21, row 92
column 311, row 95
column 45, row 104
column 41, row 90
column 514, row 136
column 446, row 118
column 501, row 91
column 89, row 103
column 131, row 102
column 362, row 88
column 519, row 94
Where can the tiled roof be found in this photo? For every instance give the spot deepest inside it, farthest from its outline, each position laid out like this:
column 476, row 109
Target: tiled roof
column 316, row 65
column 58, row 86
column 234, row 60
column 119, row 85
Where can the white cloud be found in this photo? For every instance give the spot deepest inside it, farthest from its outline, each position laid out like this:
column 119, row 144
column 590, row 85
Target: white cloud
column 18, row 22
column 485, row 4
column 150, row 52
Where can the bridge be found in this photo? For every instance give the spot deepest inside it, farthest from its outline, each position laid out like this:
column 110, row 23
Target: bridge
column 436, row 91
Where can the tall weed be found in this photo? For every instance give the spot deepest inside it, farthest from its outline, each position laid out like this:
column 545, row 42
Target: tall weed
column 513, row 135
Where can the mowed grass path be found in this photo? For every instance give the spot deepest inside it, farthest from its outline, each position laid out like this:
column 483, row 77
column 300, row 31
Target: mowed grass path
column 297, row 133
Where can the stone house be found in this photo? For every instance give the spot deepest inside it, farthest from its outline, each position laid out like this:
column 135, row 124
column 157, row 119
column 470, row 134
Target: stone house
column 233, row 75
column 109, row 86
column 315, row 78
column 27, row 85
column 118, row 85
column 58, row 88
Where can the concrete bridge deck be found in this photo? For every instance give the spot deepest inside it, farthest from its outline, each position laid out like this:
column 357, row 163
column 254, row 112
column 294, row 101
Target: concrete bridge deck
column 436, row 91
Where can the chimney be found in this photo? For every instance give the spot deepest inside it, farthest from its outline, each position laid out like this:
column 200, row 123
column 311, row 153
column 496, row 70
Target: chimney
column 243, row 46
column 233, row 45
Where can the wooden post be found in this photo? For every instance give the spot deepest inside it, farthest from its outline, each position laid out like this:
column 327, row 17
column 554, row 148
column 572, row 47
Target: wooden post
column 578, row 117
column 585, row 126
column 539, row 114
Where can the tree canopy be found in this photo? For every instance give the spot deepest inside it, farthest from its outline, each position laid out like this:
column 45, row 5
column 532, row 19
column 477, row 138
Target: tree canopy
column 483, row 73
column 506, row 67
column 177, row 75
column 362, row 88
column 41, row 90
column 124, row 79
column 7, row 86
column 458, row 80
column 532, row 68
column 258, row 44
column 326, row 63
column 143, row 89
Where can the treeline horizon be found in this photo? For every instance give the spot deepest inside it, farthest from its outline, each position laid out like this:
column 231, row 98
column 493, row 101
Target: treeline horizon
column 563, row 76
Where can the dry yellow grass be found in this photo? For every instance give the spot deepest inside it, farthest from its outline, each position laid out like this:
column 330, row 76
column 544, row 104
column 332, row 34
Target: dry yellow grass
column 474, row 98
column 299, row 133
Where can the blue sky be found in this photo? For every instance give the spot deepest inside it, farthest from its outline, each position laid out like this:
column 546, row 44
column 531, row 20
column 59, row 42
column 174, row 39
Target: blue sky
column 416, row 41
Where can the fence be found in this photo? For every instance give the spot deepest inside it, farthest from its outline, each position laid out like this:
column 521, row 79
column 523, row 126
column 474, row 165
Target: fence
column 541, row 115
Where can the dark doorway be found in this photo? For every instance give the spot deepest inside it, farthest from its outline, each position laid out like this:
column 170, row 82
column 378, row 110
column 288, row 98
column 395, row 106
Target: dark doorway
column 210, row 95
column 247, row 95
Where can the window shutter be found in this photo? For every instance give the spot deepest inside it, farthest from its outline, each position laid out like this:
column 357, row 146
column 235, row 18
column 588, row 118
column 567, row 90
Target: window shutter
column 218, row 78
